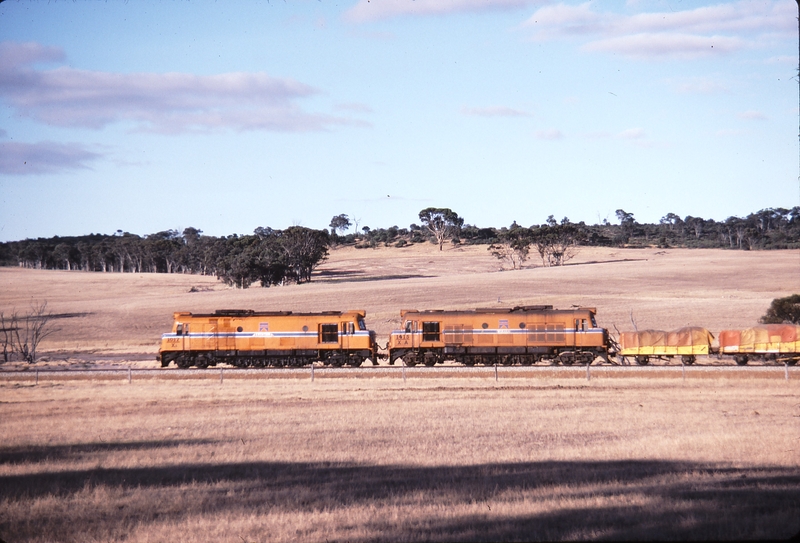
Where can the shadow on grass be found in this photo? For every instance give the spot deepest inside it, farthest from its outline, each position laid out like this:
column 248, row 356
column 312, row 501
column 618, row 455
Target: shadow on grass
column 358, row 277
column 34, row 454
column 631, row 499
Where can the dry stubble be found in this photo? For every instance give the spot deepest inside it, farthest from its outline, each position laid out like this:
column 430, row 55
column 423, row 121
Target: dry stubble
column 367, row 460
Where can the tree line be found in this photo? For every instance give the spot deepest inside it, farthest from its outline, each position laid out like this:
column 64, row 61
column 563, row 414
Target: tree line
column 273, row 257
column 269, row 257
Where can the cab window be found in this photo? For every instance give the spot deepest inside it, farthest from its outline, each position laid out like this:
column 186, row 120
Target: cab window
column 361, row 325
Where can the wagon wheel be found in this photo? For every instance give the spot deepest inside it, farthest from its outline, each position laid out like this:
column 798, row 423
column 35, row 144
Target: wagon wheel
column 643, row 360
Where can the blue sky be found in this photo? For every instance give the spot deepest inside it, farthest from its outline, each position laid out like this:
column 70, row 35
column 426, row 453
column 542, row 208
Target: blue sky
column 225, row 116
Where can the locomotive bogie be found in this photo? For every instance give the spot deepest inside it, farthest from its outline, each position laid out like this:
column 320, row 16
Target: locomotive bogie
column 522, row 335
column 246, row 338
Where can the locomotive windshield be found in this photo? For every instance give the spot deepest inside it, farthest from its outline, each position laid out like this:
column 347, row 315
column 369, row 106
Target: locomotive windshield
column 594, row 322
column 361, row 324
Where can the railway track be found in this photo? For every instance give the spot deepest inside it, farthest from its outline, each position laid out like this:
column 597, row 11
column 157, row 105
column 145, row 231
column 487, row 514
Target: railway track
column 496, row 373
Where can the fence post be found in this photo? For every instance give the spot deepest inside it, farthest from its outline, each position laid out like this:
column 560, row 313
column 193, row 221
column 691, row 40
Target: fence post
column 312, row 372
column 129, row 376
column 37, row 376
column 220, row 376
column 786, row 369
column 404, row 371
column 588, row 374
column 495, row 373
column 683, row 370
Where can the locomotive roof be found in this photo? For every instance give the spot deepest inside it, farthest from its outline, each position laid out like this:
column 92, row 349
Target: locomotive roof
column 253, row 313
column 498, row 310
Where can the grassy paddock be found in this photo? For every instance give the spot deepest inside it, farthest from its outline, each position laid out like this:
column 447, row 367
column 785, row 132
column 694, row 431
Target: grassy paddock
column 379, row 459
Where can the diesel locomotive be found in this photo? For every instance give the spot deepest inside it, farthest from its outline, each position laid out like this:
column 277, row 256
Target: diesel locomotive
column 521, row 335
column 246, row 338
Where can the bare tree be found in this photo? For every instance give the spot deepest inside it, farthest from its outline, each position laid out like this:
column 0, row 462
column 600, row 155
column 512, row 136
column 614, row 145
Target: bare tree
column 7, row 327
column 513, row 245
column 28, row 332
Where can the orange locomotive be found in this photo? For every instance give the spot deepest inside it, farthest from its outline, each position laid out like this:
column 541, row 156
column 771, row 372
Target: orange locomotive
column 523, row 335
column 247, row 338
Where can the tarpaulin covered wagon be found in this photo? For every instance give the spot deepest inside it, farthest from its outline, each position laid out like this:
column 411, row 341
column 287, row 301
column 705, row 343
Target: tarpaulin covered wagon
column 688, row 343
column 779, row 342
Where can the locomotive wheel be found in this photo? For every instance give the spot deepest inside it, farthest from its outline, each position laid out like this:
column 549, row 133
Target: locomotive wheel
column 586, row 358
column 740, row 359
column 201, row 361
column 792, row 361
column 688, row 360
column 642, row 360
column 410, row 361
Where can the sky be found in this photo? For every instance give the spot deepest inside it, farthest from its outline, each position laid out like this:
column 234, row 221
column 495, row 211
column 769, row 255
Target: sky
column 144, row 116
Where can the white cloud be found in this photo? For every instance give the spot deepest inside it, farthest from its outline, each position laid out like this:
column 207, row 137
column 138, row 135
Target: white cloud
column 703, row 31
column 730, row 132
column 552, row 134
column 632, row 134
column 752, row 115
column 368, row 10
column 43, row 157
column 354, row 107
column 166, row 103
column 494, row 111
column 698, row 85
column 665, row 45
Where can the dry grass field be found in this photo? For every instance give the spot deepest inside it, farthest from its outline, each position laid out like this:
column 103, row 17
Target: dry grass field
column 665, row 289
column 382, row 459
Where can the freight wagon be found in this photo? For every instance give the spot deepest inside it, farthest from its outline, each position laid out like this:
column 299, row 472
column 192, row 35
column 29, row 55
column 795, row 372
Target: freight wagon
column 779, row 342
column 688, row 343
